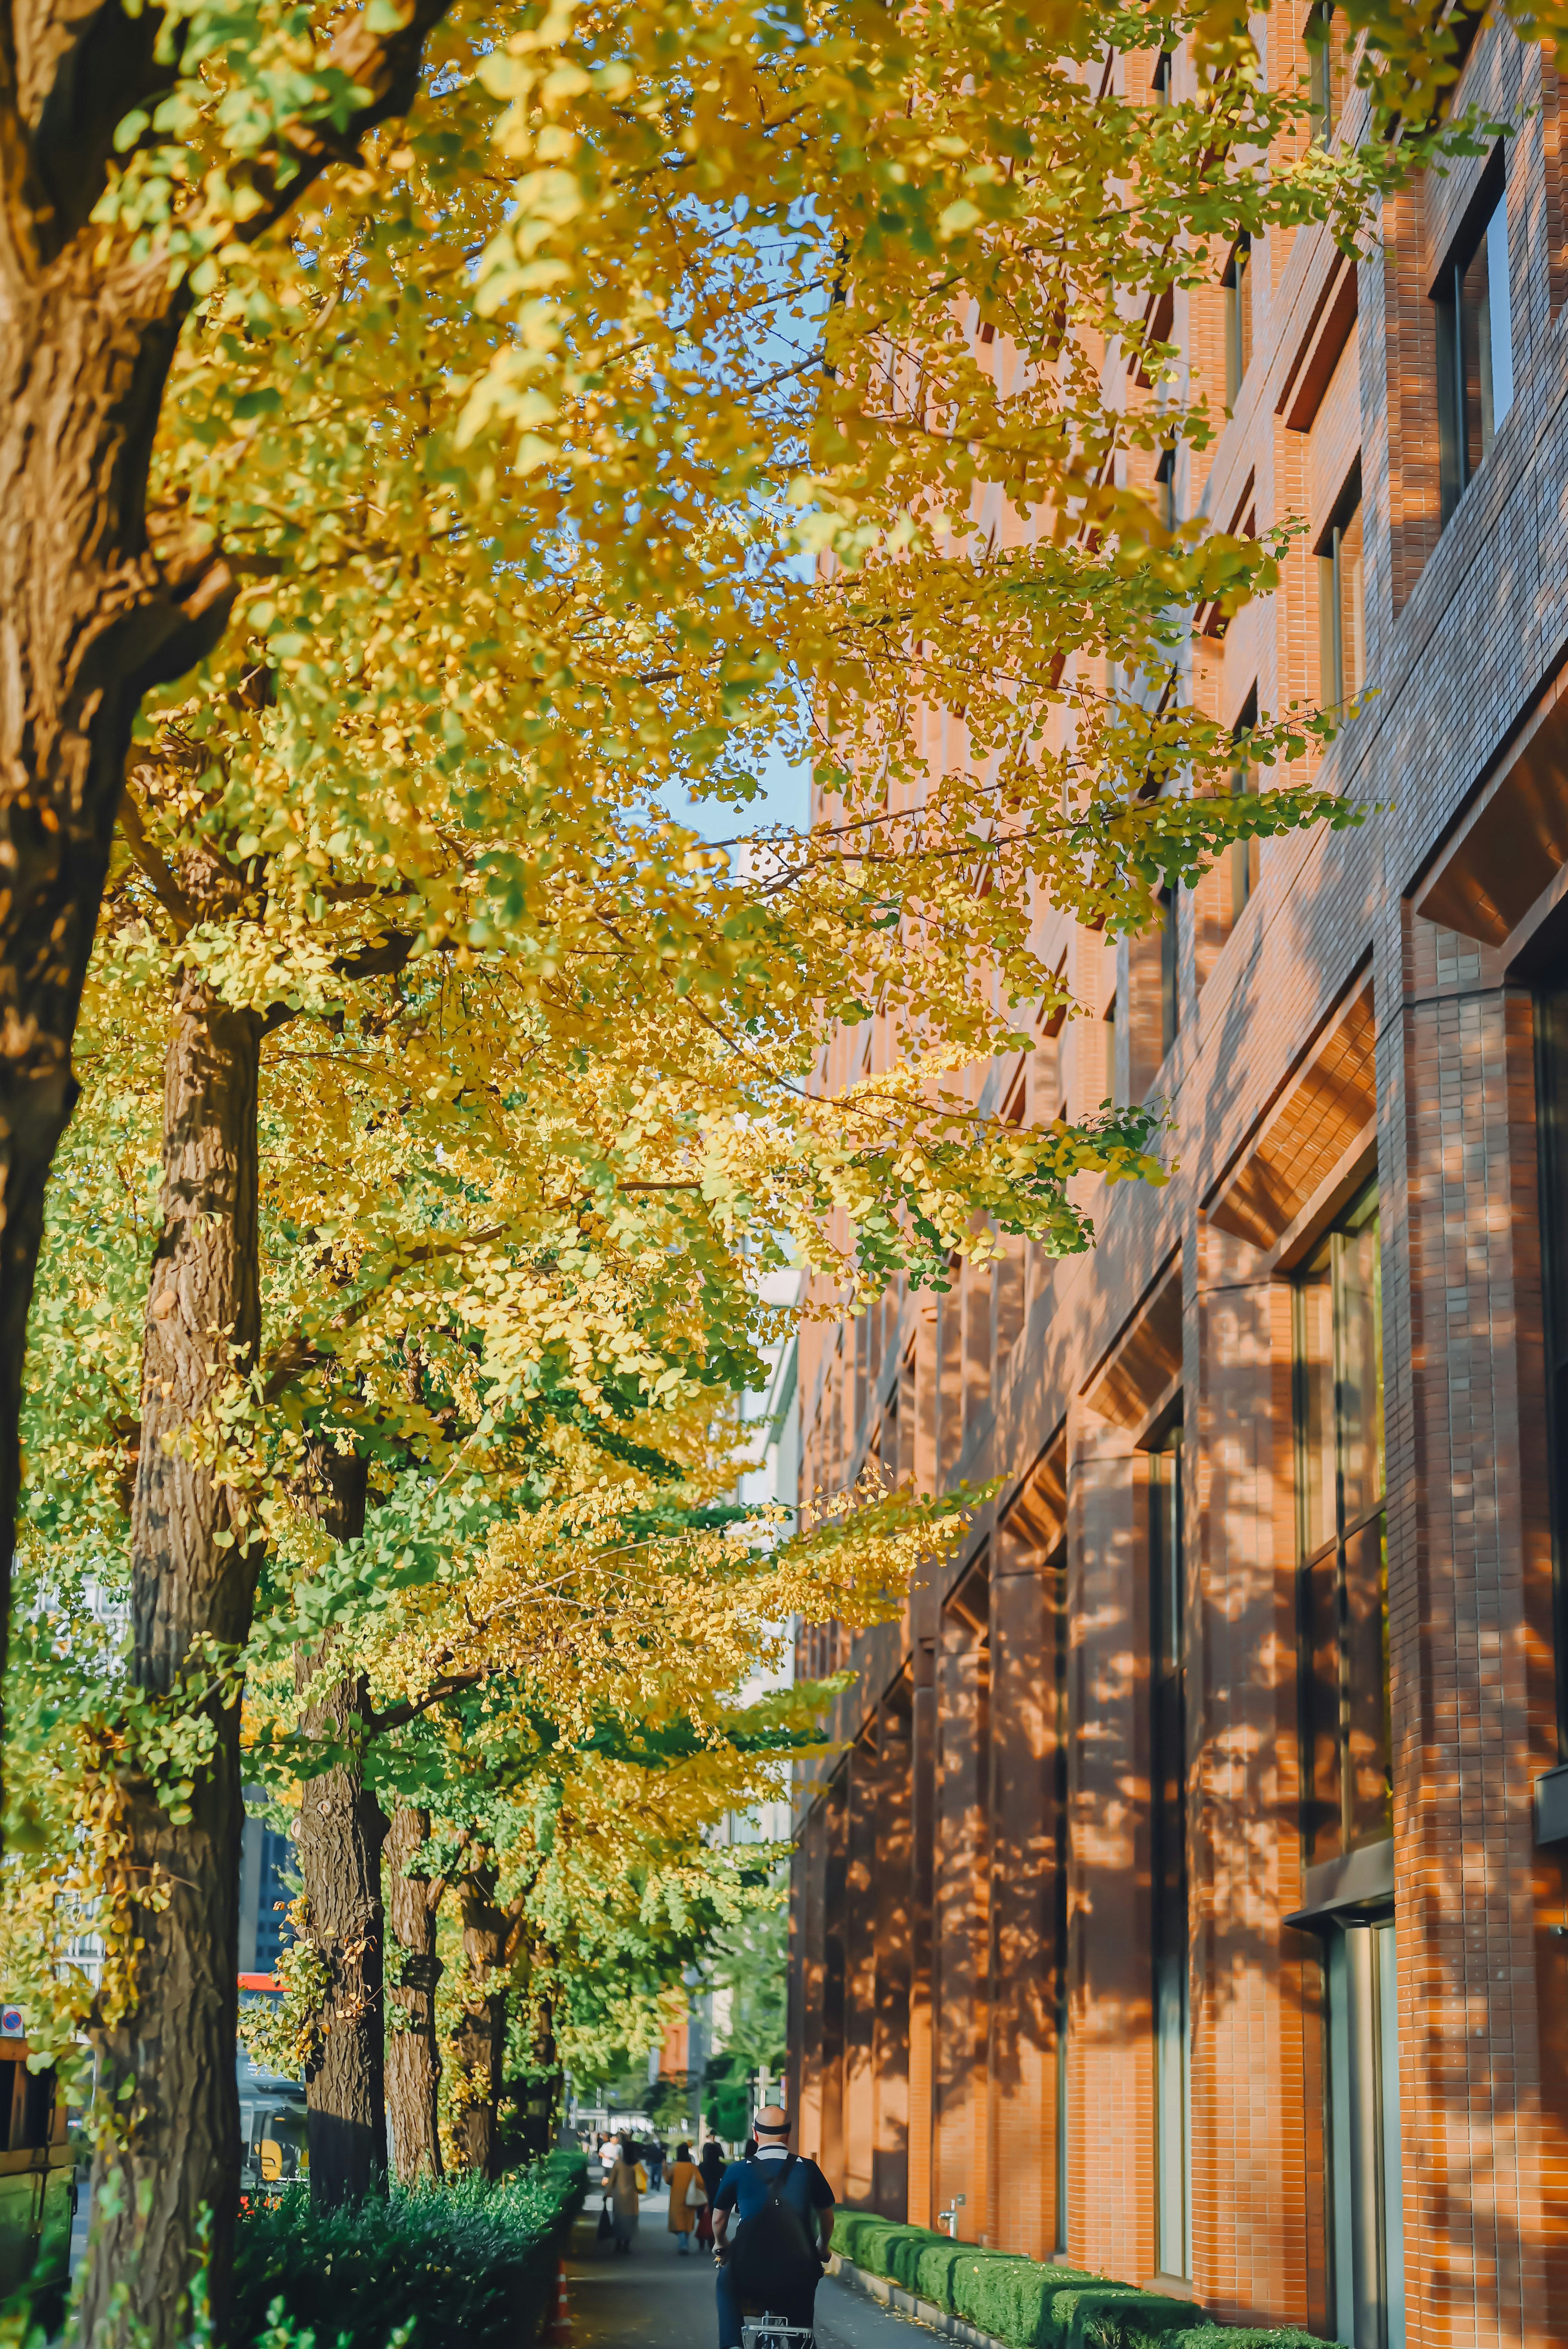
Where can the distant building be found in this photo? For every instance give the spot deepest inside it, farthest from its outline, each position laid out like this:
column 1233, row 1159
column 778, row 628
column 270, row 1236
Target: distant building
column 267, row 1883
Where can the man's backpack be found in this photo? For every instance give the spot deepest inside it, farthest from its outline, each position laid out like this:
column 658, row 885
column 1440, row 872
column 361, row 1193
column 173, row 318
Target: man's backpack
column 773, row 2257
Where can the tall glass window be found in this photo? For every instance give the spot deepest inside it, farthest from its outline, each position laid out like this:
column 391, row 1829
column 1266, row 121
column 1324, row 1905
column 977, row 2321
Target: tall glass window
column 1243, row 855
column 1366, row 2222
column 1342, row 600
column 1170, row 971
column 1551, row 1128
column 1169, row 1775
column 1057, row 1573
column 1475, row 344
column 1343, row 1602
column 1328, row 56
column 1236, row 284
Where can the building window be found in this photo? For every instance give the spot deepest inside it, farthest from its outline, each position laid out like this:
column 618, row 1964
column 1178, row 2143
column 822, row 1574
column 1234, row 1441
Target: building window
column 1108, row 1024
column 1165, row 479
column 1551, row 1129
column 1365, row 2199
column 1341, row 600
column 1329, row 59
column 278, row 1885
column 1236, row 284
column 1169, row 972
column 1057, row 1584
column 1160, row 79
column 1169, row 1779
column 1244, row 855
column 1475, row 341
column 1343, row 1544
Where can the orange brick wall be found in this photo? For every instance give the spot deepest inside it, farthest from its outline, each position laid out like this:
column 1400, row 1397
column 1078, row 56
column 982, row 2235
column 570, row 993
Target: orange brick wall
column 1332, row 1030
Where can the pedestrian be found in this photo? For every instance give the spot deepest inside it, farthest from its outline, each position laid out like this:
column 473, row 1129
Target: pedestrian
column 745, row 2191
column 684, row 2175
column 628, row 2181
column 713, row 2169
column 656, row 2159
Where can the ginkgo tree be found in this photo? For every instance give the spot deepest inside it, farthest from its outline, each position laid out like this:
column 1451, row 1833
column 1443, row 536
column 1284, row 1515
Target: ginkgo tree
column 512, row 452
column 727, row 253
column 541, row 1717
column 460, row 1245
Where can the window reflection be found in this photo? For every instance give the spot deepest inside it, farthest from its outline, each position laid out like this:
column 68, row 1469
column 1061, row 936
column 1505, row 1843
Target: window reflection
column 1343, row 1602
column 1342, row 600
column 1475, row 343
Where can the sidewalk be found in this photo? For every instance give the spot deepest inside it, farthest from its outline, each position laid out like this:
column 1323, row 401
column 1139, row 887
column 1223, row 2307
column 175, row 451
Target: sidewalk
column 653, row 2299
column 649, row 2299
column 846, row 2319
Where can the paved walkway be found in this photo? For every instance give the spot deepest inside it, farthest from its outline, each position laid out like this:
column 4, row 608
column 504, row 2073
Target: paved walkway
column 651, row 2298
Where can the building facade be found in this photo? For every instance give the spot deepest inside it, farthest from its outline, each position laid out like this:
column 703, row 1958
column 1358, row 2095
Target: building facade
column 1187, row 1897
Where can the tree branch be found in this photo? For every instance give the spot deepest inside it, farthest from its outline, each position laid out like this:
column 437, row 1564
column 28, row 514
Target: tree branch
column 300, row 1354
column 165, row 888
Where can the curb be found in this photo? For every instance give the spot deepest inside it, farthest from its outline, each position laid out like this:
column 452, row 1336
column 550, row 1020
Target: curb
column 899, row 2303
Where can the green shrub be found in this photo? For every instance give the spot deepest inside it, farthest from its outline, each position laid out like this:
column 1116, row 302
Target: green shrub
column 855, row 2233
column 1031, row 2306
column 1110, row 2317
column 847, row 2227
column 902, row 2254
column 1025, row 2297
column 1229, row 2336
column 983, row 2291
column 886, row 2248
column 469, row 2265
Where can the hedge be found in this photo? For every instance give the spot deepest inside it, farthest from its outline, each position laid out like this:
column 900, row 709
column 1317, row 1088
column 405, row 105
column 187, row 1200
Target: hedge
column 459, row 2266
column 1031, row 2306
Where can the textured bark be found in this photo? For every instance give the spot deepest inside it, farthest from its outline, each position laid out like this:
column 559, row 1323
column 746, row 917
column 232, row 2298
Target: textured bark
column 98, row 599
column 192, row 1588
column 480, row 2040
column 338, row 1847
column 90, row 616
column 413, row 2053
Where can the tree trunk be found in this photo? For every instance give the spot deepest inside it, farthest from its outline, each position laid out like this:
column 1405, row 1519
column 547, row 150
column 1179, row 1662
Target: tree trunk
column 480, row 2040
column 89, row 617
column 413, row 2053
column 341, row 1832
column 169, row 2068
column 98, row 600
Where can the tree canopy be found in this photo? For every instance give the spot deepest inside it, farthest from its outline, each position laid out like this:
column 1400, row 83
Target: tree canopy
column 640, row 394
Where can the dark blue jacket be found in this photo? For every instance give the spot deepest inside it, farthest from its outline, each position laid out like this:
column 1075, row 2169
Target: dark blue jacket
column 745, row 2184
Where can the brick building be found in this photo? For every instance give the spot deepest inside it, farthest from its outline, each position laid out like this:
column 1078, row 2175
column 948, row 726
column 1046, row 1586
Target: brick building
column 1189, row 1899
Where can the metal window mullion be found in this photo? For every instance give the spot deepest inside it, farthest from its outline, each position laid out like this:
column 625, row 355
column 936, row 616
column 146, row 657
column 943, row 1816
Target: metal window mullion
column 1461, row 387
column 1341, row 1594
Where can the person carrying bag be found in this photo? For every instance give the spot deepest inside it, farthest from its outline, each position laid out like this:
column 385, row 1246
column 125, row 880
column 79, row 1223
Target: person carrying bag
column 785, row 2207
column 627, row 2182
column 687, row 2198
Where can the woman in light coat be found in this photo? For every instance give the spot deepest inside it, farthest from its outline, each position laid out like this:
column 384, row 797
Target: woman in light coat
column 682, row 2218
column 625, row 2182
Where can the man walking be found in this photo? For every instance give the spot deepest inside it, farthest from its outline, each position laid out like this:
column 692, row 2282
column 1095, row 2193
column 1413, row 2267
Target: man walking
column 746, row 2190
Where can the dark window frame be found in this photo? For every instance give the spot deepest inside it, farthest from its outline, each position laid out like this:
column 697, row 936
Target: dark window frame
column 1329, row 550
column 1235, row 284
column 1061, row 1808
column 1325, row 1571
column 1550, row 1003
column 1458, row 461
column 1170, row 1923
column 1243, row 856
column 1328, row 62
column 1170, row 971
column 1165, row 481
